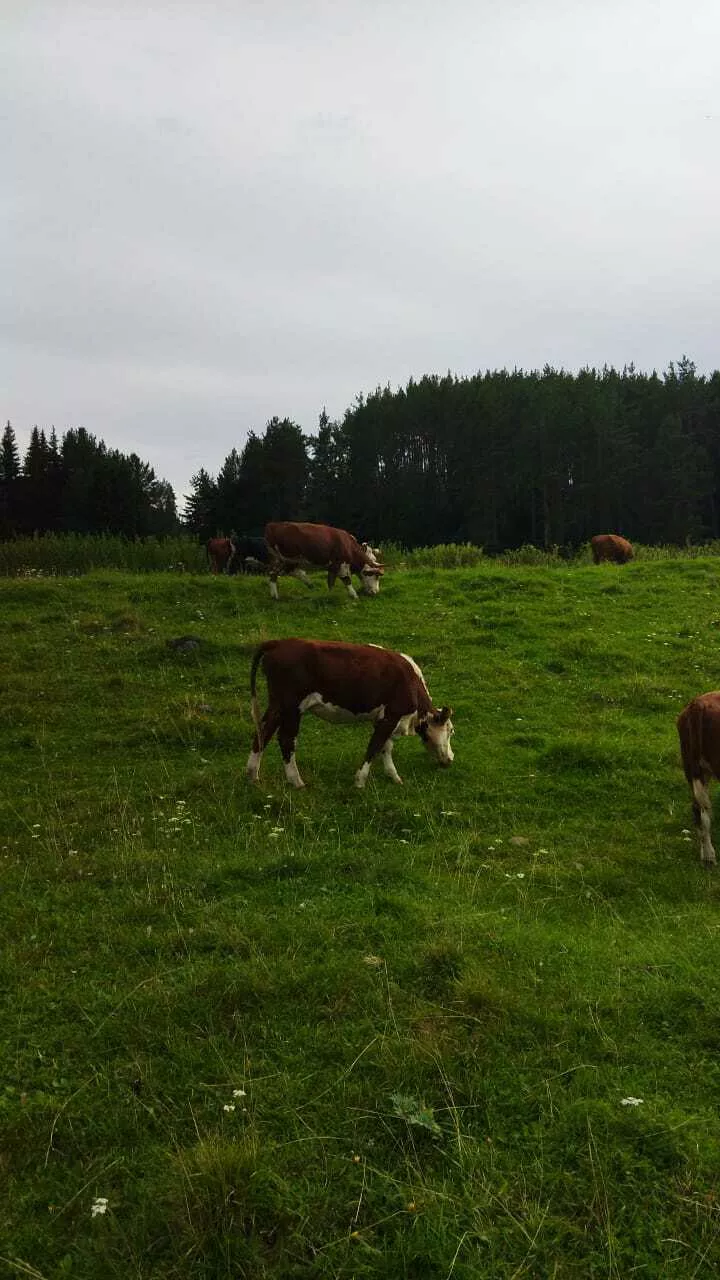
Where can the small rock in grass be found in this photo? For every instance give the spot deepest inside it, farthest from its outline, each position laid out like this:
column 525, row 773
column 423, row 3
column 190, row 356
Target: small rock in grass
column 184, row 644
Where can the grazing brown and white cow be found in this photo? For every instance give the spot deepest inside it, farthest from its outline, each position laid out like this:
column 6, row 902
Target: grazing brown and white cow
column 343, row 683
column 293, row 545
column 699, row 729
column 220, row 553
column 610, row 546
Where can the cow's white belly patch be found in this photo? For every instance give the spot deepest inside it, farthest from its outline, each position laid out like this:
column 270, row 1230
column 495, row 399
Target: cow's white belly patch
column 405, row 725
column 317, row 706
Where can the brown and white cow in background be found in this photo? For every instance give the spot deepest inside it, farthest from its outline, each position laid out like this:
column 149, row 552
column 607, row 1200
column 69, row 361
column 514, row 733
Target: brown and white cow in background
column 344, row 683
column 699, row 729
column 220, row 554
column 293, row 545
column 610, row 546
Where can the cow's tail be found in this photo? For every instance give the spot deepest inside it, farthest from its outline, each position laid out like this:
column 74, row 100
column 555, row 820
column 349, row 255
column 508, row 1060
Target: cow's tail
column 254, row 704
column 690, row 724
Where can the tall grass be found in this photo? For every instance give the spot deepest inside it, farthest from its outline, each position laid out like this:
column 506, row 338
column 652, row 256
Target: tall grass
column 72, row 554
column 445, row 555
column 75, row 553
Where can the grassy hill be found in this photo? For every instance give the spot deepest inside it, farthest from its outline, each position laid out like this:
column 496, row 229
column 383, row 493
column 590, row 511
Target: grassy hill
column 345, row 1034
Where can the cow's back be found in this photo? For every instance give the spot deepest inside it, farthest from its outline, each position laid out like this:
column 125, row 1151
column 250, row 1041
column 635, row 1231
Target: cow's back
column 354, row 676
column 611, row 546
column 699, row 732
column 316, row 543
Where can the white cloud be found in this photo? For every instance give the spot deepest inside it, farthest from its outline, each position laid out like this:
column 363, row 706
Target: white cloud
column 223, row 212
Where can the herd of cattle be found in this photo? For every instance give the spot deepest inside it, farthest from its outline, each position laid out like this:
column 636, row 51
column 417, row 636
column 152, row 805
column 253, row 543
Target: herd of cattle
column 343, row 683
column 288, row 546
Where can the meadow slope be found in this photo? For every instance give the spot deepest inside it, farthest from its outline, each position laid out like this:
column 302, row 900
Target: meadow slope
column 346, row 1034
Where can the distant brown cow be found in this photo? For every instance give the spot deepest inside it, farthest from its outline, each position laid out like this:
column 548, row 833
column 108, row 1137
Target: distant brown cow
column 699, row 729
column 294, row 544
column 343, row 683
column 220, row 553
column 610, row 546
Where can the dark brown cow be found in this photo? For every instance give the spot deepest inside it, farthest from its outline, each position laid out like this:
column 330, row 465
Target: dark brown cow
column 220, row 553
column 699, row 729
column 343, row 683
column 293, row 545
column 610, row 546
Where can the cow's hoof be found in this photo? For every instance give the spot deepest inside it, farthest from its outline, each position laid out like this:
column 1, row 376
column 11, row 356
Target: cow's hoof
column 709, row 862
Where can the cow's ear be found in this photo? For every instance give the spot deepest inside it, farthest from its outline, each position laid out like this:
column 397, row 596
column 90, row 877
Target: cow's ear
column 443, row 715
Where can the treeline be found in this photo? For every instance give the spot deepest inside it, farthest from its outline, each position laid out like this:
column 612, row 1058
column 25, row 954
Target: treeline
column 501, row 460
column 78, row 485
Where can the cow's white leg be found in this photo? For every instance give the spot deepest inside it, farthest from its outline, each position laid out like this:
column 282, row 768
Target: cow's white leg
column 389, row 763
column 344, row 575
column 287, row 733
column 301, row 574
column 362, row 774
column 253, row 765
column 702, row 809
column 261, row 738
column 378, row 742
column 273, row 589
column 292, row 774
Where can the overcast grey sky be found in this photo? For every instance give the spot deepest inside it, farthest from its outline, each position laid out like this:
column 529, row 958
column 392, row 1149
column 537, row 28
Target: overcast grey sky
column 222, row 212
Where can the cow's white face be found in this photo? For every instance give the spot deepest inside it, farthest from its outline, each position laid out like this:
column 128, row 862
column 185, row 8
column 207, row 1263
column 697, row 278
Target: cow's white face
column 370, row 579
column 436, row 732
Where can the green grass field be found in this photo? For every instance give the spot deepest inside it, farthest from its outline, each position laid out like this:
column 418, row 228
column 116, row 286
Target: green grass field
column 349, row 1034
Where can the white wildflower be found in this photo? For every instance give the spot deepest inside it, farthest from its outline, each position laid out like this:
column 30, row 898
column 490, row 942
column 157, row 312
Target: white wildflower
column 228, row 1106
column 631, row 1102
column 99, row 1206
column 239, row 1093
